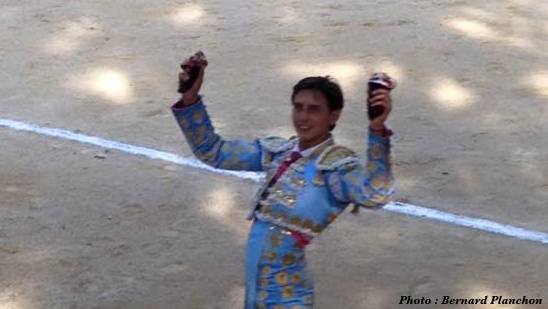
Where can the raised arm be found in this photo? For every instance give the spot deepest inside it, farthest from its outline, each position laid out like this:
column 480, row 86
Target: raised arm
column 211, row 148
column 194, row 121
column 369, row 185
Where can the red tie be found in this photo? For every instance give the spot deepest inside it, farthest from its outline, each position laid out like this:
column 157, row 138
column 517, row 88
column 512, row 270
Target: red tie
column 295, row 155
column 281, row 169
column 302, row 240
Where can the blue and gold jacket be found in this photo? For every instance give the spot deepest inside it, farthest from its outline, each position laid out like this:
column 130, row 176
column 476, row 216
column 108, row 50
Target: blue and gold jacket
column 313, row 191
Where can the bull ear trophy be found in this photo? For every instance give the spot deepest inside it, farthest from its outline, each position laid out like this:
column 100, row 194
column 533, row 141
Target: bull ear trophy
column 191, row 67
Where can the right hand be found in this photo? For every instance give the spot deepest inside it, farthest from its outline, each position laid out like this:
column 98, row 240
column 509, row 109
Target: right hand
column 191, row 95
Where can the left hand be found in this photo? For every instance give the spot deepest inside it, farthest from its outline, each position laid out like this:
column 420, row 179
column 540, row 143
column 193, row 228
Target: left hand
column 380, row 97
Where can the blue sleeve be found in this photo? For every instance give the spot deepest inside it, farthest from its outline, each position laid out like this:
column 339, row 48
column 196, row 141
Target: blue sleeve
column 370, row 186
column 211, row 148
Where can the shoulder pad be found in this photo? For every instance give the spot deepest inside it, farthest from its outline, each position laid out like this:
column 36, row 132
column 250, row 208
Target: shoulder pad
column 277, row 144
column 335, row 156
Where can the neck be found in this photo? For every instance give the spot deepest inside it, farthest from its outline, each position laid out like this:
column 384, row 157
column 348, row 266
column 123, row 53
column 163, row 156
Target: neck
column 304, row 145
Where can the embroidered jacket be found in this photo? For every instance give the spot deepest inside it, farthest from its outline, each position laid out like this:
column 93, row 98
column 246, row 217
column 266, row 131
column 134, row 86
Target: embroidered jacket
column 313, row 191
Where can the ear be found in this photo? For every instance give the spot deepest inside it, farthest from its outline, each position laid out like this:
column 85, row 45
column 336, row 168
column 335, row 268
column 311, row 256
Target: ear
column 334, row 116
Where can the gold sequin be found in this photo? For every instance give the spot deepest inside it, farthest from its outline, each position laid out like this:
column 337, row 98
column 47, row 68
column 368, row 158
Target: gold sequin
column 265, row 271
column 377, row 182
column 299, row 182
column 335, row 154
column 197, row 116
column 261, row 306
column 271, row 256
column 288, row 259
column 307, row 224
column 290, row 199
column 371, row 167
column 318, row 179
column 296, row 277
column 183, row 122
column 263, row 294
column 295, row 221
column 264, row 282
column 281, row 278
column 287, row 292
column 266, row 209
column 376, row 152
column 200, row 133
column 317, row 228
column 281, row 216
column 275, row 240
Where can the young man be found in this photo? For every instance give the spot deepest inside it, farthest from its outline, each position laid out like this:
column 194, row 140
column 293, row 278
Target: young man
column 309, row 181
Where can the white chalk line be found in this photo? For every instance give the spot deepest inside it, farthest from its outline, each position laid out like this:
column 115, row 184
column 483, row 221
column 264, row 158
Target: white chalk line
column 398, row 207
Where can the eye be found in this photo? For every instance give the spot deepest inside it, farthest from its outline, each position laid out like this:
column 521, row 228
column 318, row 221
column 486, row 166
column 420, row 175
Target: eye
column 297, row 107
column 314, row 108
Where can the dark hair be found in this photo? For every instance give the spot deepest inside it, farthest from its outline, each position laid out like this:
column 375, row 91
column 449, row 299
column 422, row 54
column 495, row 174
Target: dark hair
column 327, row 86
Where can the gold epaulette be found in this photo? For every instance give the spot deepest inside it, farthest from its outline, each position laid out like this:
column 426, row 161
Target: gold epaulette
column 335, row 156
column 274, row 145
column 277, row 144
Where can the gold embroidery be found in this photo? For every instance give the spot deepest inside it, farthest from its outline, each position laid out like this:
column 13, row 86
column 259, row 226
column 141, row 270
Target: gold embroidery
column 296, row 277
column 197, row 117
column 295, row 221
column 261, row 306
column 264, row 282
column 378, row 182
column 267, row 159
column 265, row 271
column 183, row 122
column 263, row 294
column 317, row 228
column 353, row 178
column 279, row 192
column 271, row 256
column 275, row 240
column 200, row 133
column 376, row 152
column 266, row 209
column 290, row 199
column 307, row 224
column 299, row 182
column 281, row 278
column 371, row 167
column 334, row 154
column 281, row 216
column 318, row 179
column 287, row 292
column 288, row 259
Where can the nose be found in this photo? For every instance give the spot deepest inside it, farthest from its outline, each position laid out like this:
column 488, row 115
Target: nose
column 301, row 116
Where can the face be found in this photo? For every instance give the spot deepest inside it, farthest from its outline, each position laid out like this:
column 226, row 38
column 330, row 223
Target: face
column 312, row 117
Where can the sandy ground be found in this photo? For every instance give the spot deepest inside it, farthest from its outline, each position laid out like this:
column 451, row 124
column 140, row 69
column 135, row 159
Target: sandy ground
column 124, row 232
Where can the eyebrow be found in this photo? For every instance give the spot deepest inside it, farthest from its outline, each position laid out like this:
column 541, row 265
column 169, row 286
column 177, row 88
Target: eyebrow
column 311, row 104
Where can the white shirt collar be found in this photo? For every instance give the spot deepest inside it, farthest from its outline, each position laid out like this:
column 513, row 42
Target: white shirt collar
column 309, row 151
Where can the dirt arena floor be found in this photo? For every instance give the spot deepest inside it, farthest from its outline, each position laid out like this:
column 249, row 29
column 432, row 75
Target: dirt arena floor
column 82, row 227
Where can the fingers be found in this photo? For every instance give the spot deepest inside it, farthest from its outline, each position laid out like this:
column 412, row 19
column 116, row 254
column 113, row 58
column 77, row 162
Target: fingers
column 183, row 76
column 198, row 83
column 380, row 99
column 380, row 91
